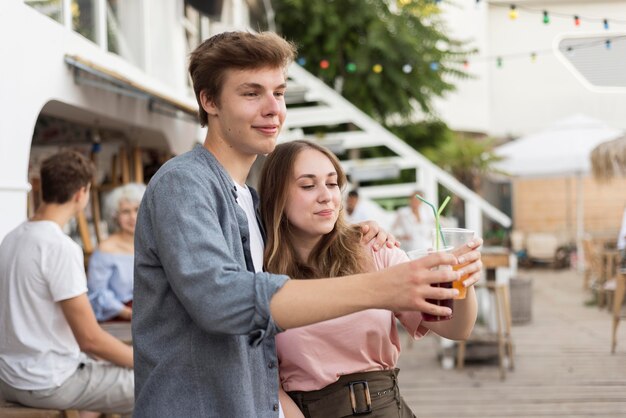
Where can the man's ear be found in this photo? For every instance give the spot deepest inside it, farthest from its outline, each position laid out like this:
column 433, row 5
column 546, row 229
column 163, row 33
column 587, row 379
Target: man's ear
column 80, row 193
column 208, row 104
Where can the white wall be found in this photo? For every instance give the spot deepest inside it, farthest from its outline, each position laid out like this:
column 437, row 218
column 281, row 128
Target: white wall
column 522, row 97
column 468, row 108
column 167, row 57
column 33, row 72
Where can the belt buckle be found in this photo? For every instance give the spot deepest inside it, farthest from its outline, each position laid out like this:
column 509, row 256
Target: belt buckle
column 368, row 398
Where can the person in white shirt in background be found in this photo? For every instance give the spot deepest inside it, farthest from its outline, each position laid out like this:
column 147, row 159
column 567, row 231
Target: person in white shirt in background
column 47, row 326
column 414, row 224
column 359, row 209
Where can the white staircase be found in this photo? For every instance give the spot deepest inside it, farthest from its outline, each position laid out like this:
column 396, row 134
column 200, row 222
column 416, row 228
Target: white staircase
column 327, row 107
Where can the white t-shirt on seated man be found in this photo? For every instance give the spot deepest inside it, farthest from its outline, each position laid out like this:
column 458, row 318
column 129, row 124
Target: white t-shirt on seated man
column 47, row 325
column 38, row 350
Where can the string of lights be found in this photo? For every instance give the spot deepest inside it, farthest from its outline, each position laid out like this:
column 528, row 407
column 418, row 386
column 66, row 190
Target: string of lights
column 547, row 15
column 514, row 10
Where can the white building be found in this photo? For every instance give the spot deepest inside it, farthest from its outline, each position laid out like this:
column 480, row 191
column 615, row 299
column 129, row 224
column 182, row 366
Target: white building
column 110, row 76
column 525, row 95
column 551, row 69
column 110, row 71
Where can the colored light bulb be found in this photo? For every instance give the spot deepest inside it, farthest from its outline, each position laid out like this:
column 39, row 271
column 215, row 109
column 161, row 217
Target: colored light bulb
column 407, row 68
column 301, row 61
column 606, row 24
column 533, row 57
column 499, row 62
column 607, row 43
column 377, row 68
column 351, row 67
column 576, row 20
column 434, row 66
column 324, row 64
column 513, row 12
column 546, row 17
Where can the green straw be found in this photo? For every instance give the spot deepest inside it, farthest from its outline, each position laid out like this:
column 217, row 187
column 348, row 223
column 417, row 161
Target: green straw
column 437, row 213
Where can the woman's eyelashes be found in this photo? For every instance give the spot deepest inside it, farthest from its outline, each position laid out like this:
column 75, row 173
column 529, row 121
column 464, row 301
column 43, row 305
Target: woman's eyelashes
column 311, row 186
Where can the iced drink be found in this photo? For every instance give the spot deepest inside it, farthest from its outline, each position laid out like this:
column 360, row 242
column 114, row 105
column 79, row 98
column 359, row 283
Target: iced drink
column 456, row 237
column 448, row 285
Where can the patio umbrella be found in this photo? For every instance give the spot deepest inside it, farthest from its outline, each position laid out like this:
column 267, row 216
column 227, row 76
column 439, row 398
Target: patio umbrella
column 562, row 149
column 608, row 160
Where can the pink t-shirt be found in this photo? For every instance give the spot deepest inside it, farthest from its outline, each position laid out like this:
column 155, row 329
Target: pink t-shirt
column 315, row 356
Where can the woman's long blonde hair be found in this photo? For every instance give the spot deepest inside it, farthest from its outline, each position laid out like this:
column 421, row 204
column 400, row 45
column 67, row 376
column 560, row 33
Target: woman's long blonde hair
column 339, row 253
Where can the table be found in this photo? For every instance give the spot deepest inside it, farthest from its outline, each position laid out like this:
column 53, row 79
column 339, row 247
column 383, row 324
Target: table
column 120, row 330
column 492, row 259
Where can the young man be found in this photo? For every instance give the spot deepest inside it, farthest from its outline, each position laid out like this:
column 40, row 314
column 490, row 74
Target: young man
column 204, row 313
column 45, row 316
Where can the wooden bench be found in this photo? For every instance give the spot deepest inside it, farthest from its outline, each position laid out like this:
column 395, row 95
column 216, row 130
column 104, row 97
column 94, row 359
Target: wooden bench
column 13, row 410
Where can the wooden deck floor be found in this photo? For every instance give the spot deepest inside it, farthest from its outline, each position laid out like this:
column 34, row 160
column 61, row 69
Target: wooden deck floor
column 564, row 367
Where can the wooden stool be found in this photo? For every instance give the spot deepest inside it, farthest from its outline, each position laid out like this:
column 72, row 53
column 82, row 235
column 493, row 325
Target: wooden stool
column 618, row 299
column 502, row 336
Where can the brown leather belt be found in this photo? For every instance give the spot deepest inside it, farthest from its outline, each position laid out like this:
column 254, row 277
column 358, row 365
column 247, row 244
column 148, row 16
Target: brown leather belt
column 353, row 394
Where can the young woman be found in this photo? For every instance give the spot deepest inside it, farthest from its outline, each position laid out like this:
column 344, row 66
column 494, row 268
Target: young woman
column 347, row 365
column 110, row 273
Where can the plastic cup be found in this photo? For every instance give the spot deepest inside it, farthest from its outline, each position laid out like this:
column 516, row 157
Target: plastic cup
column 456, row 237
column 415, row 254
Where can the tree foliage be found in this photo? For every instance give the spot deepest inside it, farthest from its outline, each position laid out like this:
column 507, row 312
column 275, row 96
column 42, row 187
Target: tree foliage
column 468, row 159
column 355, row 35
column 423, row 135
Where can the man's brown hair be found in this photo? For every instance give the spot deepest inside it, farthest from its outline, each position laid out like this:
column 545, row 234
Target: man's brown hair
column 63, row 174
column 234, row 50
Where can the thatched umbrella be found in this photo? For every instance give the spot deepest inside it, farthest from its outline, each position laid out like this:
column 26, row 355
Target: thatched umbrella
column 608, row 160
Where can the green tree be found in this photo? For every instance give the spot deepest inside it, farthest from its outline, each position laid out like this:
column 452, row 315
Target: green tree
column 405, row 37
column 423, row 135
column 468, row 159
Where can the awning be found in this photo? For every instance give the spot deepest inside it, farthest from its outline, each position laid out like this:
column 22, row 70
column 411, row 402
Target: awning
column 89, row 73
column 212, row 8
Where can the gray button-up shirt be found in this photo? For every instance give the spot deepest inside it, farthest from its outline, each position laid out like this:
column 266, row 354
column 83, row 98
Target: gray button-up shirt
column 202, row 330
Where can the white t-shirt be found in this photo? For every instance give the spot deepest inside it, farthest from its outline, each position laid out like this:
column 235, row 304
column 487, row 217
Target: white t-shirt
column 39, row 266
column 414, row 235
column 368, row 210
column 244, row 199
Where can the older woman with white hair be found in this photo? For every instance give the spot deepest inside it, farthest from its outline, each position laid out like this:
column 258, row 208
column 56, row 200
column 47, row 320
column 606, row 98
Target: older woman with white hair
column 110, row 273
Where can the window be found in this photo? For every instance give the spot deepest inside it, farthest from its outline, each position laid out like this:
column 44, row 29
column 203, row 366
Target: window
column 84, row 18
column 51, row 8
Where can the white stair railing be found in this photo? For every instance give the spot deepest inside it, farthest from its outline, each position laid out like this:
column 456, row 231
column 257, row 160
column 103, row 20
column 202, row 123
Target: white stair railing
column 331, row 109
